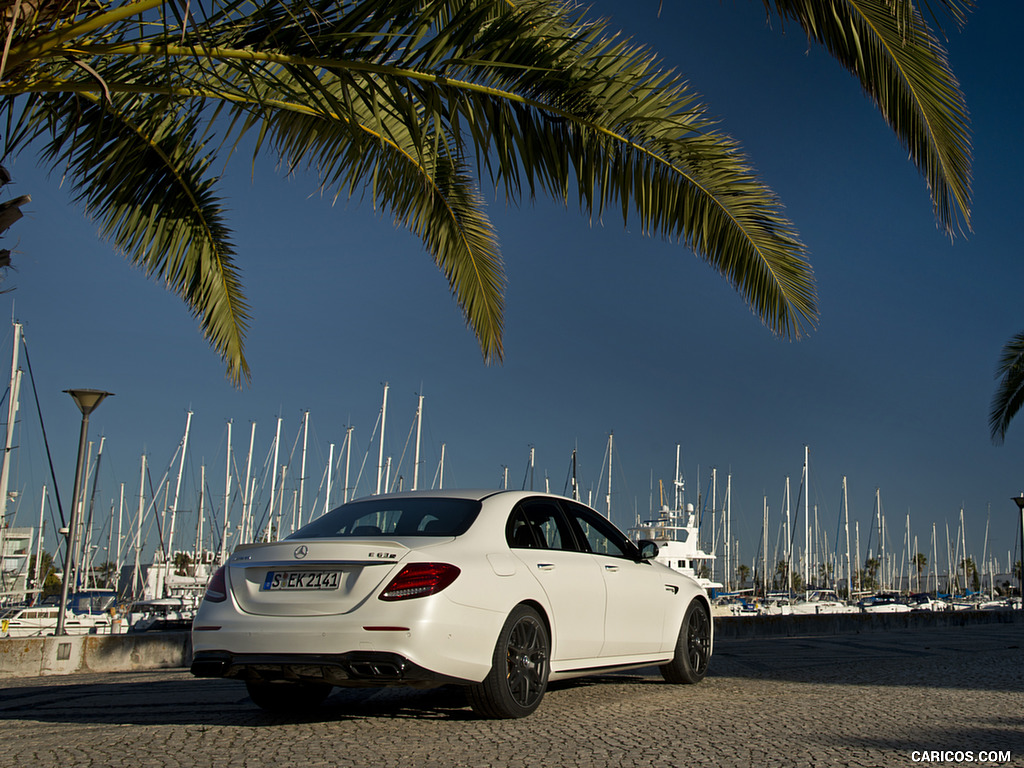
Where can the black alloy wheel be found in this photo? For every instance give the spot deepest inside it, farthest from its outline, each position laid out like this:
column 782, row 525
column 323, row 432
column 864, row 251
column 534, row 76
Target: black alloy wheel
column 693, row 648
column 519, row 672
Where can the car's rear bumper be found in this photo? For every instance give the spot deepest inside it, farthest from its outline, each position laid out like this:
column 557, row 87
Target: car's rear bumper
column 353, row 669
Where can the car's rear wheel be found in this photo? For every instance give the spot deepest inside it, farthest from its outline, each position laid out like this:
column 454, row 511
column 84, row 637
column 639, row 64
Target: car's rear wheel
column 519, row 668
column 286, row 695
column 693, row 648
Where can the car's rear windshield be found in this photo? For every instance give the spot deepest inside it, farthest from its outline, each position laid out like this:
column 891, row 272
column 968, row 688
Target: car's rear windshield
column 394, row 518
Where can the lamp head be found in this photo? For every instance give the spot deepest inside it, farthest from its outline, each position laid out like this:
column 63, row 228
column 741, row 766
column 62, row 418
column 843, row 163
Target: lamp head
column 88, row 400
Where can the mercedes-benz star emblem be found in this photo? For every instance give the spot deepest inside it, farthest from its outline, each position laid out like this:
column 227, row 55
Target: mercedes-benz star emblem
column 301, row 551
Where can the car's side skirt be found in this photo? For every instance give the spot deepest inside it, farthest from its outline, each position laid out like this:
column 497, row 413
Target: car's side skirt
column 583, row 667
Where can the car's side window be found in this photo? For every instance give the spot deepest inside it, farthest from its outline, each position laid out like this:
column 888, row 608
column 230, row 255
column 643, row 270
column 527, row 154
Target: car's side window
column 538, row 524
column 601, row 537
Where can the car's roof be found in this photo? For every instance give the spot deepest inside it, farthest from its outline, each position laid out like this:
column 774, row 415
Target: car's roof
column 474, row 494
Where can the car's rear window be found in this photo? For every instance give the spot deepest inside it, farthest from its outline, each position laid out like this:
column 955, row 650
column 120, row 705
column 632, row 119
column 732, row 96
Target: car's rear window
column 394, row 518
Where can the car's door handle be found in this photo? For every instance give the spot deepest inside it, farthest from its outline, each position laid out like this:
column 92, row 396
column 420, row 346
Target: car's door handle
column 546, row 566
column 611, row 567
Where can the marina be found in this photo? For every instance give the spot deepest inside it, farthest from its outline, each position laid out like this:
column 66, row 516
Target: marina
column 156, row 548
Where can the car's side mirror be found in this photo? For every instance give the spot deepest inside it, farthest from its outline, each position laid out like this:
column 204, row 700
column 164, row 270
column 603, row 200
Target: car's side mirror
column 648, row 549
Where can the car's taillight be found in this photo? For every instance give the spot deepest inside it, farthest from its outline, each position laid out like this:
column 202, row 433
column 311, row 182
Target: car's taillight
column 420, row 580
column 217, row 589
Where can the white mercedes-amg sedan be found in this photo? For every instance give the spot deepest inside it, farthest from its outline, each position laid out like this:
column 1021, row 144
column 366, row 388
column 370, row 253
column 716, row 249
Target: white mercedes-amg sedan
column 497, row 591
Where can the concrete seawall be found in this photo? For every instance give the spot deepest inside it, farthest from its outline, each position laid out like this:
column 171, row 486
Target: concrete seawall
column 855, row 623
column 35, row 656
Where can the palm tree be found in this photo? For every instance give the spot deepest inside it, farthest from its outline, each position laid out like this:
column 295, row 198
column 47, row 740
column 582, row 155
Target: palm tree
column 920, row 561
column 413, row 103
column 742, row 573
column 1009, row 395
column 869, row 579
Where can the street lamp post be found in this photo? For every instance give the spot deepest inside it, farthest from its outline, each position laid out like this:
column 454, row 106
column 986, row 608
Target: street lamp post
column 1019, row 501
column 87, row 400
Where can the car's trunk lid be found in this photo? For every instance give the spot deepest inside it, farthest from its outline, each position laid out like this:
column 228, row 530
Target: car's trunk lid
column 314, row 577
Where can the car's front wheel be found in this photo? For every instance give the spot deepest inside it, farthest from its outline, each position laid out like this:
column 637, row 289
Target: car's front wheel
column 519, row 668
column 693, row 648
column 286, row 695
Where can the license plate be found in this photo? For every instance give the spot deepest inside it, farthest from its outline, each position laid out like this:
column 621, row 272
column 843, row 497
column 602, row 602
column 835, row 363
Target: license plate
column 279, row 580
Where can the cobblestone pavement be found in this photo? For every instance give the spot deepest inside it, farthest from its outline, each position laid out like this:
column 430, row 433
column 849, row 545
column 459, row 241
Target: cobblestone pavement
column 866, row 700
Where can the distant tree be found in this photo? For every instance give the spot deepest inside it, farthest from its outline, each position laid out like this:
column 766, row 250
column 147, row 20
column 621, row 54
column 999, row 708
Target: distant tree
column 742, row 574
column 781, row 578
column 824, row 573
column 182, row 563
column 970, row 571
column 49, row 580
column 869, row 574
column 51, row 585
column 920, row 561
column 45, row 563
column 106, row 575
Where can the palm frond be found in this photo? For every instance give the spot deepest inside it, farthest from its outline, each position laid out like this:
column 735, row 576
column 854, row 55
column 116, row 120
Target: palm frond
column 171, row 225
column 432, row 195
column 904, row 69
column 1009, row 395
column 549, row 102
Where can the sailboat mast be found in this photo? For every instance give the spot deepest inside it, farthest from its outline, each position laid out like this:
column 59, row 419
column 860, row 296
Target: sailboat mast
column 807, row 526
column 530, row 465
column 856, row 531
column 881, row 539
column 89, row 551
column 247, row 494
column 12, row 413
column 348, row 461
column 846, row 525
column 227, row 499
column 728, row 531
column 677, row 483
column 419, row 432
column 789, row 543
column 302, row 466
column 764, row 552
column 380, row 453
column 120, row 519
column 39, row 548
column 273, row 480
column 137, row 573
column 714, row 505
column 177, row 488
column 963, row 539
column 576, row 485
column 330, row 479
column 202, row 512
column 608, row 498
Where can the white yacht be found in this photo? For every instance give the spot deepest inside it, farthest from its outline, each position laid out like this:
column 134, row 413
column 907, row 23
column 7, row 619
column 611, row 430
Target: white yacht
column 676, row 534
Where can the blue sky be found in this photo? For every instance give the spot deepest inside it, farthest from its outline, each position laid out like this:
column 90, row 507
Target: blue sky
column 605, row 330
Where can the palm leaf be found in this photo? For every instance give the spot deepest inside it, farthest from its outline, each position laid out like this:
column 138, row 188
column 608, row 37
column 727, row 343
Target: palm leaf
column 172, row 225
column 548, row 102
column 904, row 68
column 1009, row 396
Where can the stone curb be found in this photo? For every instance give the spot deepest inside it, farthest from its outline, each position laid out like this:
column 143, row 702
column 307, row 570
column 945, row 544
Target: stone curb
column 35, row 656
